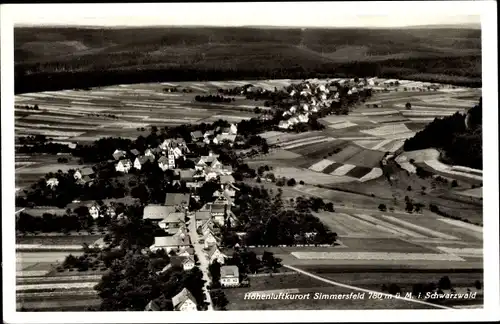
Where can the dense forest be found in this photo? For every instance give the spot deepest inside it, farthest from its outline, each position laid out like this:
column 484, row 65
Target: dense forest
column 459, row 137
column 67, row 58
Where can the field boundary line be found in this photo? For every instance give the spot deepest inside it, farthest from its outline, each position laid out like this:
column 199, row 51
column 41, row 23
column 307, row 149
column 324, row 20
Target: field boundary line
column 335, row 283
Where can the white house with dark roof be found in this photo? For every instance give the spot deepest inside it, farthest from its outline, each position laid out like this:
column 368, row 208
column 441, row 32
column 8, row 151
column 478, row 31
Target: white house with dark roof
column 170, row 243
column 150, row 153
column 186, row 263
column 94, row 211
column 119, row 154
column 123, row 166
column 284, row 124
column 80, row 173
column 140, row 160
column 210, row 239
column 196, row 135
column 229, row 276
column 184, row 301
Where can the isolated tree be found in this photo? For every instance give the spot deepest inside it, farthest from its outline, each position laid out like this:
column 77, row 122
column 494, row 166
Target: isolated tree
column 444, row 283
column 219, row 299
column 478, row 285
column 382, row 207
column 408, row 106
column 454, row 183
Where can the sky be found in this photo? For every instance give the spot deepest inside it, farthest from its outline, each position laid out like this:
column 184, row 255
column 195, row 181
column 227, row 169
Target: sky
column 312, row 14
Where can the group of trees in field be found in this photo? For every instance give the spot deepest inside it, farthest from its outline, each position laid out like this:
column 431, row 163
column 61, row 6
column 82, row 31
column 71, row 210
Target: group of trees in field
column 266, row 221
column 50, row 223
column 27, row 107
column 459, row 137
column 212, row 98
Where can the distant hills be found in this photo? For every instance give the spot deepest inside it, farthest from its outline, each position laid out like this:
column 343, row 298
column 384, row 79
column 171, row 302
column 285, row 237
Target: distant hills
column 452, row 54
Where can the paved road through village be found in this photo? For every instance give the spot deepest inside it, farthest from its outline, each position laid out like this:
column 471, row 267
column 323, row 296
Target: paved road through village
column 202, row 258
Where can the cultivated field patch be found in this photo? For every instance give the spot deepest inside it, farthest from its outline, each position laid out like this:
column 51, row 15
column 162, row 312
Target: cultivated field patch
column 392, row 256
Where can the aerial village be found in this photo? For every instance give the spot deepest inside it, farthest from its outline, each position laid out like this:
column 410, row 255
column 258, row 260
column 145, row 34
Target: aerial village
column 192, row 236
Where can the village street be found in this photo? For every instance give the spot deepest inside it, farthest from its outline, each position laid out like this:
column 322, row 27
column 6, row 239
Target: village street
column 202, row 258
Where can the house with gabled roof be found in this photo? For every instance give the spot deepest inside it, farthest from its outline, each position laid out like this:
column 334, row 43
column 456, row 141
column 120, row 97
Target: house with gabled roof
column 155, row 213
column 284, row 124
column 141, row 160
column 163, row 163
column 196, row 135
column 135, row 152
column 119, row 154
column 123, row 165
column 201, row 216
column 214, row 254
column 186, row 263
column 184, row 301
column 210, row 239
column 152, row 306
column 170, row 243
column 172, row 220
column 86, row 171
column 229, row 276
column 150, row 152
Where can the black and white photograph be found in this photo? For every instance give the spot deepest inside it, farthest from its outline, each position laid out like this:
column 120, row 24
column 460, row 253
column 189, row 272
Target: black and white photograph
column 250, row 156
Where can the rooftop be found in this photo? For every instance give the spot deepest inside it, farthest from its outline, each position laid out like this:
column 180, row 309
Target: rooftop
column 173, row 199
column 155, row 212
column 182, row 297
column 229, row 271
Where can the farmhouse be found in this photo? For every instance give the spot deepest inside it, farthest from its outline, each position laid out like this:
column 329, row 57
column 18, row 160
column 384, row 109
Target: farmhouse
column 156, row 213
column 123, row 166
column 186, row 263
column 152, row 306
column 284, row 124
column 170, row 243
column 140, row 160
column 214, row 254
column 201, row 217
column 150, row 152
column 210, row 239
column 52, row 182
column 87, row 171
column 184, row 301
column 163, row 163
column 196, row 135
column 94, row 211
column 229, row 276
column 119, row 154
column 173, row 220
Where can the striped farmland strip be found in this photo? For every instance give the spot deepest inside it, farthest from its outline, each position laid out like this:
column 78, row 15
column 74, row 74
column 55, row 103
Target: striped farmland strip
column 305, row 139
column 327, row 139
column 418, row 228
column 358, row 172
column 381, row 144
column 393, row 256
column 78, row 285
column 343, row 170
column 389, row 225
column 332, row 167
column 320, row 165
column 461, row 224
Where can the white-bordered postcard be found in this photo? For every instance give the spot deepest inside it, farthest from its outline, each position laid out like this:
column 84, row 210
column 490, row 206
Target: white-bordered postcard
column 250, row 162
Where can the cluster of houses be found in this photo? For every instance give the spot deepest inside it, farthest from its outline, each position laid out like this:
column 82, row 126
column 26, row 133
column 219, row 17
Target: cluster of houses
column 313, row 97
column 217, row 136
column 183, row 301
